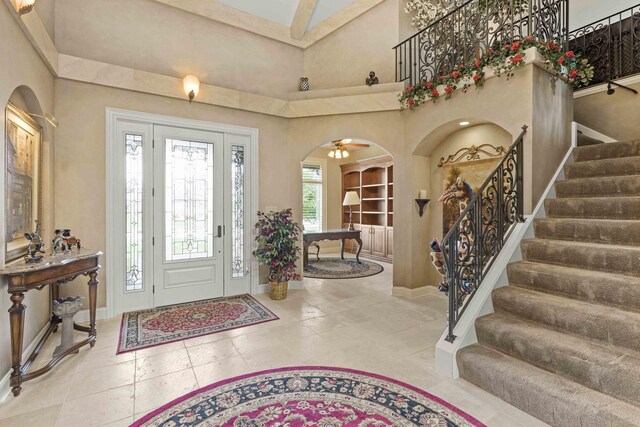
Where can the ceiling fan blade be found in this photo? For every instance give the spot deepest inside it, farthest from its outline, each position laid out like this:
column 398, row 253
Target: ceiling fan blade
column 351, row 144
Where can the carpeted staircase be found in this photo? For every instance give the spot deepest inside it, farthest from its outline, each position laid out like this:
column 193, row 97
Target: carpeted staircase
column 564, row 341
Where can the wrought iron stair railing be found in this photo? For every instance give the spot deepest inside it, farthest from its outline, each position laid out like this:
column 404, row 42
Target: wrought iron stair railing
column 612, row 45
column 477, row 237
column 469, row 30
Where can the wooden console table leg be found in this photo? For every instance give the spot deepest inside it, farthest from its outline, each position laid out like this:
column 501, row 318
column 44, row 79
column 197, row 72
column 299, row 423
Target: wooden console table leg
column 16, row 320
column 342, row 249
column 93, row 291
column 305, row 255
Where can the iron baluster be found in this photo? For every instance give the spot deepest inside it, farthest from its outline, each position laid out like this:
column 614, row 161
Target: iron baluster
column 477, row 237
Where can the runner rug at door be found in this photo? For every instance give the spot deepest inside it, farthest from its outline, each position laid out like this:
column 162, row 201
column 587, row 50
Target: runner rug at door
column 148, row 328
column 336, row 268
column 308, row 396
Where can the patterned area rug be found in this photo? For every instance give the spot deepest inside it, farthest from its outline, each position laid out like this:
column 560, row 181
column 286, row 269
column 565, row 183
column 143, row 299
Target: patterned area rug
column 308, row 396
column 336, row 268
column 148, row 328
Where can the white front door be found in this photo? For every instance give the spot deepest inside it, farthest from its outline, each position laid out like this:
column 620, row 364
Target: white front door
column 188, row 209
column 181, row 205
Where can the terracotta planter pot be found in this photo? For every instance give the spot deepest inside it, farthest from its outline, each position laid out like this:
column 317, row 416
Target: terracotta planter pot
column 279, row 290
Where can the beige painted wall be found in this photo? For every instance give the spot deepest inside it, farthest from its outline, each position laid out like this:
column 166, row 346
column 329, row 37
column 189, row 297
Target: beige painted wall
column 46, row 9
column 154, row 37
column 613, row 115
column 345, row 57
column 80, row 157
column 22, row 67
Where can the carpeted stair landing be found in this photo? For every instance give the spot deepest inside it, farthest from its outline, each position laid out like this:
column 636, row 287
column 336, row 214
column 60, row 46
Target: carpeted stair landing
column 564, row 341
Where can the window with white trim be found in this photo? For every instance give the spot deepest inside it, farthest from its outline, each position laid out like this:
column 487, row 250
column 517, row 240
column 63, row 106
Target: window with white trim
column 313, row 195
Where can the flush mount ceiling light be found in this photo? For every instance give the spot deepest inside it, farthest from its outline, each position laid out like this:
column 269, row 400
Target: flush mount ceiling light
column 191, row 86
column 465, row 123
column 338, row 149
column 25, row 6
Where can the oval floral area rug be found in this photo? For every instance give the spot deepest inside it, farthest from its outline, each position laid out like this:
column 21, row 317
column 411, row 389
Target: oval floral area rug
column 308, row 396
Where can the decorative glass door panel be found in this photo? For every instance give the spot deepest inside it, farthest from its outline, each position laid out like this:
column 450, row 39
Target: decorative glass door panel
column 189, row 200
column 188, row 211
column 134, row 202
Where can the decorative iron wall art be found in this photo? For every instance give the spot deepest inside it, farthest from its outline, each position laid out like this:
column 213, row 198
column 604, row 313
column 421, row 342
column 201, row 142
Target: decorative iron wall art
column 473, row 153
column 23, row 144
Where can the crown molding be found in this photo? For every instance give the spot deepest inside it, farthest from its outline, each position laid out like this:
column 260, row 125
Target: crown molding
column 219, row 12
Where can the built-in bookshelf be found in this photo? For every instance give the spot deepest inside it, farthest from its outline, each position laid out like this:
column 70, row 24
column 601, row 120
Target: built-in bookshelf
column 372, row 179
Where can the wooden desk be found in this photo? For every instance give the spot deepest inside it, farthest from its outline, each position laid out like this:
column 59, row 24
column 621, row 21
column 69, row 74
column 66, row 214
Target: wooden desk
column 53, row 270
column 309, row 237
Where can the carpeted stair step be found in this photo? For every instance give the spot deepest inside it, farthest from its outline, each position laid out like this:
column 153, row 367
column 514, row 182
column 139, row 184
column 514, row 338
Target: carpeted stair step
column 607, row 151
column 613, row 186
column 584, row 140
column 601, row 231
column 605, row 167
column 609, row 370
column 615, row 259
column 557, row 401
column 591, row 286
column 609, row 325
column 595, row 208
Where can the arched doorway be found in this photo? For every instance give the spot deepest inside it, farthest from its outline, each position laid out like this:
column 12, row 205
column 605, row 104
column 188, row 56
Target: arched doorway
column 347, row 185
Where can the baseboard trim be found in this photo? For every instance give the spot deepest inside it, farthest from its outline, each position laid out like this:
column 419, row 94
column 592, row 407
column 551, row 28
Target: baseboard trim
column 5, row 386
column 81, row 316
column 293, row 284
column 399, row 291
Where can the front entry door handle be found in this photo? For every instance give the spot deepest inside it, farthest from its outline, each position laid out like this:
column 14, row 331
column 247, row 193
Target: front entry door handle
column 219, row 231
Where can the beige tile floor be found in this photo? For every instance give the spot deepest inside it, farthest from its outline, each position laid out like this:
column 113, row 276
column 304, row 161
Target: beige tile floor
column 344, row 323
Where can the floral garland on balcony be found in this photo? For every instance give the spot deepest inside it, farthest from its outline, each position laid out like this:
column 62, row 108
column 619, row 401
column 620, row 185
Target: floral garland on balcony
column 503, row 61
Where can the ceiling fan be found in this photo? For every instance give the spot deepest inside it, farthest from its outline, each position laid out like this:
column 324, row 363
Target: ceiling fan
column 339, row 150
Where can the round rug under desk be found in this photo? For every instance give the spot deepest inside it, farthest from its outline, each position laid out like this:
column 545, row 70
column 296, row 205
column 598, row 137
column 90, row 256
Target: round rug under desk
column 336, row 268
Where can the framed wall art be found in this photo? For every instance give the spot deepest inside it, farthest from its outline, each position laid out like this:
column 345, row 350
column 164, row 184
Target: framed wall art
column 23, row 192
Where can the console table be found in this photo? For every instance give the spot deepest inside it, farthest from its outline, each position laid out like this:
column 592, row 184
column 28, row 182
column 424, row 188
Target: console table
column 53, row 271
column 310, row 237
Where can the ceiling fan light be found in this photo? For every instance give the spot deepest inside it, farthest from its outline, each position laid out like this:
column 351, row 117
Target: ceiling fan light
column 345, row 154
column 338, row 154
column 332, row 154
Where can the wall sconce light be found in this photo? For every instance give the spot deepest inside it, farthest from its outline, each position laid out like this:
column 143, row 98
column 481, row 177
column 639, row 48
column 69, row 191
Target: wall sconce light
column 422, row 201
column 191, row 86
column 25, row 7
column 48, row 117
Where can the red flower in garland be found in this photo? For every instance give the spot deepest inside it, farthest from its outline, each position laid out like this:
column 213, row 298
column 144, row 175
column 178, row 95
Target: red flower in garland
column 430, row 85
column 517, row 58
column 570, row 54
column 529, row 38
column 552, row 45
column 561, row 60
column 515, row 45
column 573, row 74
column 448, row 89
column 435, row 93
column 441, row 78
column 410, row 88
column 476, row 77
column 455, row 74
column 490, row 52
column 411, row 102
column 478, row 62
column 424, row 82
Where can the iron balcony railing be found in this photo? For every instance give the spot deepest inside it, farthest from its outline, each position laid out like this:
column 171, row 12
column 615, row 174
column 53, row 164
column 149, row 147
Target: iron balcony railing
column 471, row 29
column 475, row 240
column 612, row 45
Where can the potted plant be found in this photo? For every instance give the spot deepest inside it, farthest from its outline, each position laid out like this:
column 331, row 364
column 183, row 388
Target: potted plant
column 277, row 237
